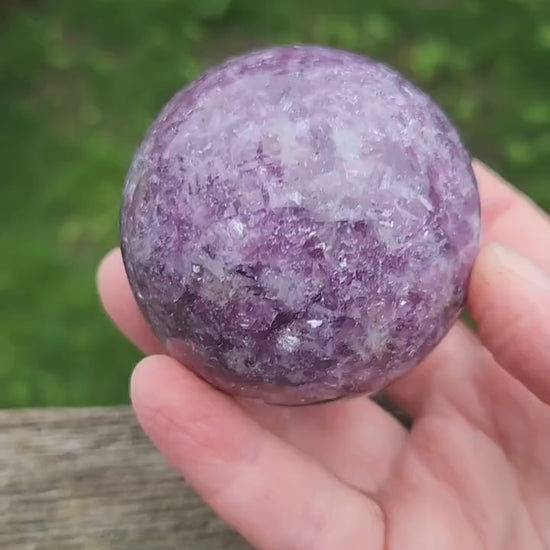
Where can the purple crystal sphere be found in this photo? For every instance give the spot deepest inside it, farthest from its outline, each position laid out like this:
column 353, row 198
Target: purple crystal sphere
column 299, row 225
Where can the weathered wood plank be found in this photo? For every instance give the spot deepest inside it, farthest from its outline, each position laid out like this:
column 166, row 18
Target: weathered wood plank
column 88, row 479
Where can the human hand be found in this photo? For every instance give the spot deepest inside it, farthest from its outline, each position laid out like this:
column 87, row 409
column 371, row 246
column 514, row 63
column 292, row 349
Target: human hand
column 473, row 472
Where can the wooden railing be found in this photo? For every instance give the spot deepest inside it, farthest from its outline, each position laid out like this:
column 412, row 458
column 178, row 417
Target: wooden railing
column 88, row 479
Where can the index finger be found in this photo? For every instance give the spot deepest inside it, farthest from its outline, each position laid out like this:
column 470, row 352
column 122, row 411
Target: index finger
column 511, row 218
column 509, row 299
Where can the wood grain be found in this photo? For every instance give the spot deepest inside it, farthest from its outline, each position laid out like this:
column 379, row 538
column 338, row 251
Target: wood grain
column 88, row 479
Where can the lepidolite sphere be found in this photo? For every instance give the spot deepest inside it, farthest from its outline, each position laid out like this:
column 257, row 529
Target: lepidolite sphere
column 299, row 224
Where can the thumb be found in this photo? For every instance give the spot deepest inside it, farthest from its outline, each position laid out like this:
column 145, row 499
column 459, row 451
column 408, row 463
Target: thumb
column 509, row 300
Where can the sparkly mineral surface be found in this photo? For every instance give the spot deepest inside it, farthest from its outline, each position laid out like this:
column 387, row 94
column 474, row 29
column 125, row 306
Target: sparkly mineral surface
column 299, row 224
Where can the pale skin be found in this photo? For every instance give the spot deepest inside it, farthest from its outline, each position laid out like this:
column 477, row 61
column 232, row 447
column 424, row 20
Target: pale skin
column 474, row 471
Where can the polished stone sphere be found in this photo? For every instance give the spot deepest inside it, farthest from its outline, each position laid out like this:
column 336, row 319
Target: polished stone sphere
column 299, row 224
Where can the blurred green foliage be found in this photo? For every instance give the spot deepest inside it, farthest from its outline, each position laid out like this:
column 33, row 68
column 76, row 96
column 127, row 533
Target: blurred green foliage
column 80, row 82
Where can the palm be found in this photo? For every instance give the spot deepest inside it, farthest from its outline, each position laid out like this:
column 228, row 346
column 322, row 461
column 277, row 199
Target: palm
column 474, row 471
column 476, row 468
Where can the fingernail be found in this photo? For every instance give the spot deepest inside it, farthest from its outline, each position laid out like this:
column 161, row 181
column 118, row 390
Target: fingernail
column 510, row 263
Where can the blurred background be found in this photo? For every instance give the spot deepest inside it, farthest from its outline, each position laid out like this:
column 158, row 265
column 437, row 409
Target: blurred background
column 81, row 80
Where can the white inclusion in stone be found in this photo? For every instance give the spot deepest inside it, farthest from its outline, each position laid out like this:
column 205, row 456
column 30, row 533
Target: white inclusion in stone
column 289, row 134
column 314, row 323
column 279, row 198
column 426, row 203
column 296, row 197
column 295, row 377
column 214, row 266
column 196, row 268
column 237, row 227
column 376, row 340
column 288, row 341
column 243, row 320
column 347, row 142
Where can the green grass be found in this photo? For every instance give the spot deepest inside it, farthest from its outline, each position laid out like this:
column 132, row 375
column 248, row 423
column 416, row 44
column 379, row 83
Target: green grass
column 80, row 82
